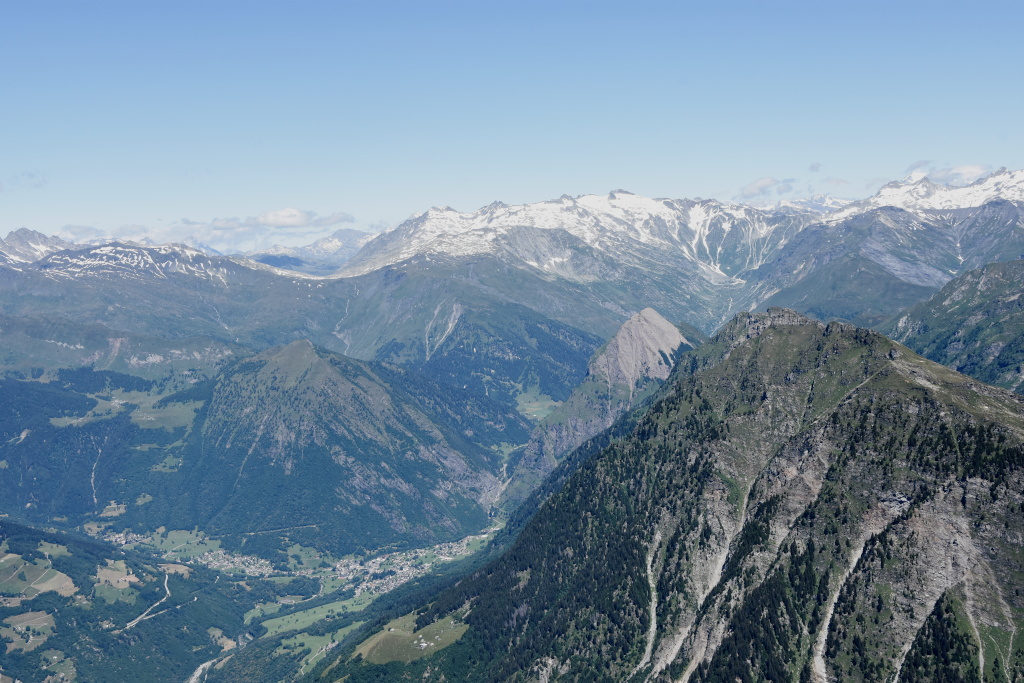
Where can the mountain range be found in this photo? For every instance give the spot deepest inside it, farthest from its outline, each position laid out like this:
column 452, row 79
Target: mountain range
column 547, row 366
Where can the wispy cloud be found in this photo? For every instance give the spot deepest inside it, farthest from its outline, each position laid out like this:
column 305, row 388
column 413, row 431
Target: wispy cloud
column 26, row 179
column 288, row 226
column 80, row 233
column 282, row 218
column 964, row 174
column 815, row 167
column 759, row 187
column 838, row 182
column 959, row 175
column 763, row 187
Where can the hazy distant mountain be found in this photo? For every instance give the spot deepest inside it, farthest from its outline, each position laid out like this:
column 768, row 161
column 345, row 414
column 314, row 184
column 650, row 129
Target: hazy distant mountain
column 701, row 260
column 622, row 252
column 322, row 257
column 27, row 246
column 821, row 203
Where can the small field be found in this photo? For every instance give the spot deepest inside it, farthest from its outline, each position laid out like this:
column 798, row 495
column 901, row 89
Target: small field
column 58, row 664
column 169, row 416
column 400, row 642
column 114, row 583
column 176, row 569
column 306, row 618
column 104, row 409
column 53, row 549
column 534, row 405
column 168, row 464
column 28, row 579
column 27, row 631
column 182, row 545
column 222, row 641
column 318, row 646
column 300, row 557
column 115, row 509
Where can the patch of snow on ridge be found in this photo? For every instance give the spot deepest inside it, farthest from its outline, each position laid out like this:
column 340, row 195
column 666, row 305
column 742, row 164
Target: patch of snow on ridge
column 127, row 260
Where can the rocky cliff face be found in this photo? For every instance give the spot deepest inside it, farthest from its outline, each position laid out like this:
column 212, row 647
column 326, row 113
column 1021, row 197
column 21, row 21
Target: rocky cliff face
column 805, row 502
column 620, row 376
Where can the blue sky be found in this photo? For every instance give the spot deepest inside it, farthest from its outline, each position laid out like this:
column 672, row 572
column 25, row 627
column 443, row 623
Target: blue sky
column 280, row 122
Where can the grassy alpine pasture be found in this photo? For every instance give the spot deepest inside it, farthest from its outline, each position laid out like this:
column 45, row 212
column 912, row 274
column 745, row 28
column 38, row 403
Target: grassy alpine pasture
column 306, row 618
column 399, row 641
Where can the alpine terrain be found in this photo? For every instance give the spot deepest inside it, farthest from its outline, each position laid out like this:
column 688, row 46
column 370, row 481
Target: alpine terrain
column 499, row 445
column 805, row 501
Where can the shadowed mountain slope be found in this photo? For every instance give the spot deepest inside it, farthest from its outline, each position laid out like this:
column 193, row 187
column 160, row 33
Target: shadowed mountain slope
column 975, row 325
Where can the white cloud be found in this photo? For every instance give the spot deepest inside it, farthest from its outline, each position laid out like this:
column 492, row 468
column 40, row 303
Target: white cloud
column 26, row 179
column 835, row 181
column 289, row 226
column 284, row 218
column 299, row 218
column 80, row 233
column 759, row 187
column 958, row 175
column 964, row 174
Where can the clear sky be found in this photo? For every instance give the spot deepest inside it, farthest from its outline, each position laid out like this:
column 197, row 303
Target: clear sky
column 259, row 122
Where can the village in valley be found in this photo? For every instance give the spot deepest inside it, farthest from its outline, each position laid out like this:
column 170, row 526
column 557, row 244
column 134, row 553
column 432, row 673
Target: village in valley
column 371, row 575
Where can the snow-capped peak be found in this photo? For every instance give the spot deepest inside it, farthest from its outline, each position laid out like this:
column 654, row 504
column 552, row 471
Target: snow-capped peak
column 618, row 224
column 917, row 192
column 914, row 177
column 28, row 246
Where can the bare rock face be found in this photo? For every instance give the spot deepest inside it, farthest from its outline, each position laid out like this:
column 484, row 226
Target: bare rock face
column 642, row 349
column 621, row 375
